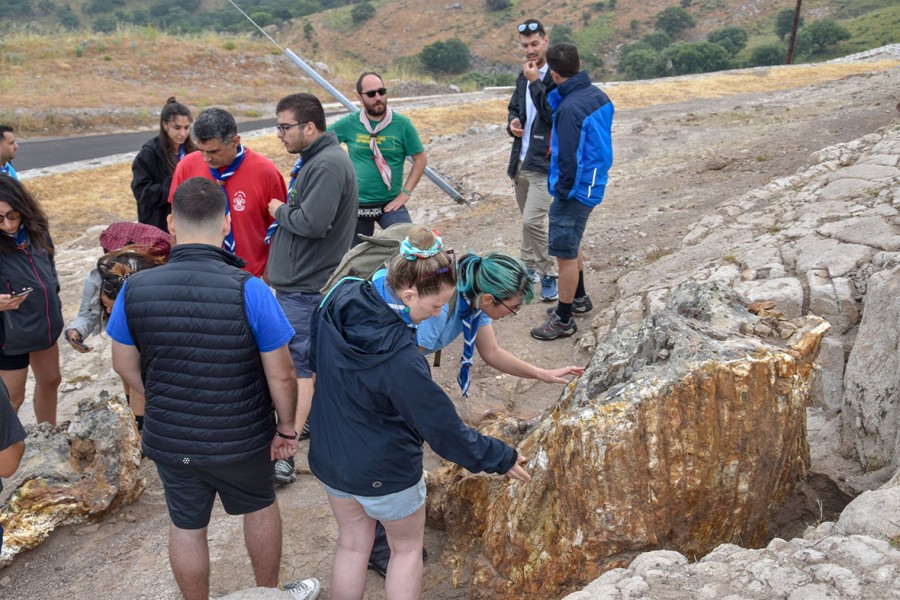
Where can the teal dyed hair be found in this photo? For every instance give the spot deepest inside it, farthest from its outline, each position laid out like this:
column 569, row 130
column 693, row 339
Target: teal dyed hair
column 496, row 273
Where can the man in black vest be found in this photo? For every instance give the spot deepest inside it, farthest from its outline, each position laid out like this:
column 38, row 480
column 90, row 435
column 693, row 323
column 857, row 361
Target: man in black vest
column 208, row 344
column 529, row 123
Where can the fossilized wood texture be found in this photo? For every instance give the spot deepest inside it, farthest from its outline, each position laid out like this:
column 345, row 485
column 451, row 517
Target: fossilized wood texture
column 74, row 473
column 682, row 434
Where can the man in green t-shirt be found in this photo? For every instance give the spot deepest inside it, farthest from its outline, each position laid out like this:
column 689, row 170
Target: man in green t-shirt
column 378, row 141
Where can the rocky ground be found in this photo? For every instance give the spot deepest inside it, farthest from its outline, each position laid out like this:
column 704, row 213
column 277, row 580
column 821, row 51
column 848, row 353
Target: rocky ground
column 675, row 164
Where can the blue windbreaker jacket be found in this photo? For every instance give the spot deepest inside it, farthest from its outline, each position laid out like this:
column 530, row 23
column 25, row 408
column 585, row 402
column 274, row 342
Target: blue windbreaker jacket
column 581, row 151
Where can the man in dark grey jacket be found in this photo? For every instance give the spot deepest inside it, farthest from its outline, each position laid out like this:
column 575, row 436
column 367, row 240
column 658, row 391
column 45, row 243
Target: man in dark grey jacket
column 315, row 228
column 529, row 122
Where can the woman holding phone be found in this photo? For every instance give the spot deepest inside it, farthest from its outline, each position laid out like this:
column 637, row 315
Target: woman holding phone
column 29, row 301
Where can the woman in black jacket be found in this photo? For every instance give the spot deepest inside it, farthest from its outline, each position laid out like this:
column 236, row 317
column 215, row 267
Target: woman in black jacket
column 29, row 301
column 154, row 165
column 375, row 404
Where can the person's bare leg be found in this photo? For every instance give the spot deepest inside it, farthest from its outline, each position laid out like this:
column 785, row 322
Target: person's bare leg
column 404, row 575
column 189, row 558
column 15, row 384
column 45, row 366
column 357, row 532
column 262, row 536
column 568, row 278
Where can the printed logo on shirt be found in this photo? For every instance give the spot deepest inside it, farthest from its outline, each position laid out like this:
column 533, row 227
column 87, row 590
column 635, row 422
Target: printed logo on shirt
column 385, row 142
column 239, row 203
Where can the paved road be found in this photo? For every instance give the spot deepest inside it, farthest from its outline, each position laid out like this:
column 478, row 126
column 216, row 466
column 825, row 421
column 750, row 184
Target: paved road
column 50, row 152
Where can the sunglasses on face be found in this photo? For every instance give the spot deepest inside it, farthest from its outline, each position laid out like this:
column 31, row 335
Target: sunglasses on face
column 380, row 91
column 532, row 27
column 12, row 215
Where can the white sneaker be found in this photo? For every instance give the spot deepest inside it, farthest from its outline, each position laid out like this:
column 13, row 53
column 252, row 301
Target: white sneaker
column 308, row 589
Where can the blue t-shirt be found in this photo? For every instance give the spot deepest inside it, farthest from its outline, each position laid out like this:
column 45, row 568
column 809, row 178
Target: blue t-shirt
column 8, row 170
column 435, row 333
column 267, row 321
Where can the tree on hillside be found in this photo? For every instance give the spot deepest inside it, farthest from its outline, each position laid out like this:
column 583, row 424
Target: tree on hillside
column 561, row 33
column 657, row 40
column 639, row 63
column 820, row 36
column 104, row 24
column 67, row 17
column 732, row 38
column 696, row 57
column 767, row 55
column 674, row 20
column 452, row 56
column 784, row 22
column 362, row 13
column 15, row 7
column 497, row 5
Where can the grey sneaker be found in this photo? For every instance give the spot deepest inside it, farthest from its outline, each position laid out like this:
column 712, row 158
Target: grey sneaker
column 304, row 433
column 554, row 328
column 579, row 305
column 308, row 589
column 284, row 472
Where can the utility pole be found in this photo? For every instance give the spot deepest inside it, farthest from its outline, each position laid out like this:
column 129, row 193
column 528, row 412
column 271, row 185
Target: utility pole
column 790, row 54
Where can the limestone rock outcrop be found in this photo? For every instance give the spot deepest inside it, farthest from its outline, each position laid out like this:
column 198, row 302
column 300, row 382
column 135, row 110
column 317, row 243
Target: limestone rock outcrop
column 73, row 473
column 683, row 433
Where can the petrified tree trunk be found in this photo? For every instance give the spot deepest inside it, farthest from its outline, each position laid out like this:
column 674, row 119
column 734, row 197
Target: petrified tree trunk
column 682, row 434
column 74, row 473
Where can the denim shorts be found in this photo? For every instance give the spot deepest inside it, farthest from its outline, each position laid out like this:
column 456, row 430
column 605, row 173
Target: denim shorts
column 191, row 491
column 568, row 219
column 392, row 507
column 300, row 310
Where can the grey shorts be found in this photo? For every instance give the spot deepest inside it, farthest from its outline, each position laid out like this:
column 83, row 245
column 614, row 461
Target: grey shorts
column 300, row 310
column 392, row 507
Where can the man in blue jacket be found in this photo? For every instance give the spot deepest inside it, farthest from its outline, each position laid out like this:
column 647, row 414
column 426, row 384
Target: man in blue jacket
column 580, row 157
column 207, row 343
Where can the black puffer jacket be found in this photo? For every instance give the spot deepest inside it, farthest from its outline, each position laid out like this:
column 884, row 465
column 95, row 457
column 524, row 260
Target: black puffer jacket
column 538, row 156
column 208, row 402
column 150, row 182
column 38, row 321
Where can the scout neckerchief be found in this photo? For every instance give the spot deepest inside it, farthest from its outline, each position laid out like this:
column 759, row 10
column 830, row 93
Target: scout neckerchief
column 382, row 165
column 221, row 176
column 470, row 319
column 270, row 231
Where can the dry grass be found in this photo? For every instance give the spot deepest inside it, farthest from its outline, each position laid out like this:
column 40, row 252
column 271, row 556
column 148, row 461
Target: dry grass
column 79, row 200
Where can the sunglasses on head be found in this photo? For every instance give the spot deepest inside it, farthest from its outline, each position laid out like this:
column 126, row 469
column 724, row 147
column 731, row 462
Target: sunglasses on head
column 380, row 91
column 450, row 268
column 532, row 27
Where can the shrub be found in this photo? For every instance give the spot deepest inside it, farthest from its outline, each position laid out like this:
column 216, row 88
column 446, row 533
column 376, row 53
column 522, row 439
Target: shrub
column 768, row 55
column 639, row 64
column 784, row 22
column 696, row 57
column 67, row 17
column 732, row 38
column 104, row 24
column 561, row 34
column 362, row 13
column 657, row 40
column 674, row 20
column 451, row 56
column 820, row 36
column 497, row 5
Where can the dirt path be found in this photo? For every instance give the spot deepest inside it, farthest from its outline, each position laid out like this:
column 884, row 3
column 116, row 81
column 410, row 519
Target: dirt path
column 674, row 164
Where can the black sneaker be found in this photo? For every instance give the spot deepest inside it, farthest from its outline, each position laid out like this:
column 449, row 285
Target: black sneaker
column 284, row 471
column 304, row 433
column 554, row 328
column 579, row 306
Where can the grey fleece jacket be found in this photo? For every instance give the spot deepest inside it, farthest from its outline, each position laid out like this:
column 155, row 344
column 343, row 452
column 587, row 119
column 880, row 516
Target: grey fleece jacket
column 316, row 225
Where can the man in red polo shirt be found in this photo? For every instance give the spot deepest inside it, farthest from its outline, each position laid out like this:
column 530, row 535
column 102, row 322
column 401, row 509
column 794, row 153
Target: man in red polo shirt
column 248, row 179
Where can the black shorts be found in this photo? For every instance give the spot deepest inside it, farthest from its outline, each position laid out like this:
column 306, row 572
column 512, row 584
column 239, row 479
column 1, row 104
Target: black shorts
column 191, row 491
column 14, row 362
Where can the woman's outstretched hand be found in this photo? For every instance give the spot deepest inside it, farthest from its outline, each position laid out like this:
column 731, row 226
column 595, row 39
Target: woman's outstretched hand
column 517, row 472
column 559, row 375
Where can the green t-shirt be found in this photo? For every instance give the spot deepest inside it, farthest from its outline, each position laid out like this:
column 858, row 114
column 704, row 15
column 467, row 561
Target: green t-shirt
column 396, row 141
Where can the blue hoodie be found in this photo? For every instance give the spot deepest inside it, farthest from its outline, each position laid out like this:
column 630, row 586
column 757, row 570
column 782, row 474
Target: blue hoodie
column 581, row 152
column 375, row 401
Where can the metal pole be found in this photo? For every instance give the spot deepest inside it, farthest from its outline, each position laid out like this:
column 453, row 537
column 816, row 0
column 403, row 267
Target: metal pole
column 790, row 53
column 429, row 172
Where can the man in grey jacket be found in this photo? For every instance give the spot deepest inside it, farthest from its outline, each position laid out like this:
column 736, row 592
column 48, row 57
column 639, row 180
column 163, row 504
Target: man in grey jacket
column 315, row 228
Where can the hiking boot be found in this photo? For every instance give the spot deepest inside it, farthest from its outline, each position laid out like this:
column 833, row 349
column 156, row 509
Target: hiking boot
column 304, row 433
column 549, row 293
column 534, row 277
column 308, row 589
column 554, row 328
column 284, row 474
column 579, row 305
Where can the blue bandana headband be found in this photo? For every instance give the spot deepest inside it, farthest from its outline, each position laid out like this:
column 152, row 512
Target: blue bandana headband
column 411, row 253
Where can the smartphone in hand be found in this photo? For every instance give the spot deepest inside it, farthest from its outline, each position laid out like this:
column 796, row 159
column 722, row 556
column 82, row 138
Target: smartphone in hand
column 22, row 292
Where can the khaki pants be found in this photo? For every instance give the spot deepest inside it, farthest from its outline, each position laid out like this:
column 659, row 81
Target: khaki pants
column 534, row 202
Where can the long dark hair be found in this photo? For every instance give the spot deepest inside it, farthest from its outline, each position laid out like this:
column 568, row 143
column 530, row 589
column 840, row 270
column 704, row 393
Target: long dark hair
column 172, row 109
column 34, row 219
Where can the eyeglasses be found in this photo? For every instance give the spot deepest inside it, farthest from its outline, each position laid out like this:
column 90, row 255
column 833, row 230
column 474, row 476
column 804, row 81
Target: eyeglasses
column 380, row 91
column 514, row 311
column 532, row 27
column 450, row 268
column 12, row 215
column 283, row 129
